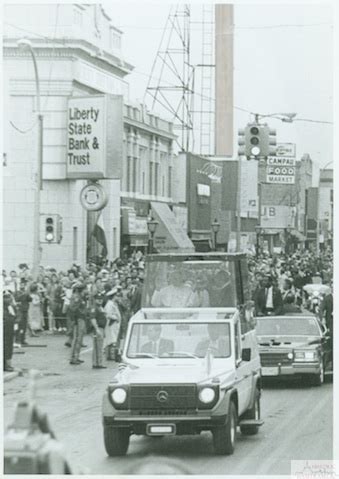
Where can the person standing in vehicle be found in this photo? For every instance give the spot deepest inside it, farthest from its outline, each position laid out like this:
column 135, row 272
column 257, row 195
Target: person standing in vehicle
column 98, row 321
column 268, row 298
column 77, row 314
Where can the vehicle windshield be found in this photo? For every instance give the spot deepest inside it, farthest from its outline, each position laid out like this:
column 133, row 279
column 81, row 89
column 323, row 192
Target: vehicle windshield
column 287, row 326
column 189, row 284
column 179, row 340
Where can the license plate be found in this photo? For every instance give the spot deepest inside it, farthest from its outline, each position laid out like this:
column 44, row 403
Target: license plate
column 274, row 371
column 163, row 429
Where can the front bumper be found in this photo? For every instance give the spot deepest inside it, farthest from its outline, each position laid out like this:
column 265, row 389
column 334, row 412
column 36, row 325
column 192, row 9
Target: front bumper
column 290, row 370
column 189, row 424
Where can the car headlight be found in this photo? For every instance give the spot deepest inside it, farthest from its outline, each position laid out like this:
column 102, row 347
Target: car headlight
column 119, row 395
column 306, row 355
column 290, row 355
column 206, row 395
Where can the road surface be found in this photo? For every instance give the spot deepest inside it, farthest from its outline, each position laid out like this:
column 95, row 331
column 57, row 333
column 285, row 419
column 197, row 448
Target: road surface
column 298, row 421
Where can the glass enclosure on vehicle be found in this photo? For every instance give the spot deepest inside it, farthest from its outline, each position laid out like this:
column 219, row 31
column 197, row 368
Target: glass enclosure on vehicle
column 179, row 282
column 287, row 326
column 179, row 340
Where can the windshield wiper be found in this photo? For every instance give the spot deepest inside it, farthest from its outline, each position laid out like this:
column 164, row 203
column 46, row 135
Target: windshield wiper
column 143, row 355
column 183, row 353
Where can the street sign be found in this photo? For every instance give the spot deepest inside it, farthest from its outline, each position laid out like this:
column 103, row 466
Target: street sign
column 285, row 149
column 280, row 170
column 93, row 197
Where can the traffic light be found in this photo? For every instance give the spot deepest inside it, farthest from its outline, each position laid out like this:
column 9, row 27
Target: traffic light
column 50, row 228
column 241, row 142
column 258, row 140
column 272, row 142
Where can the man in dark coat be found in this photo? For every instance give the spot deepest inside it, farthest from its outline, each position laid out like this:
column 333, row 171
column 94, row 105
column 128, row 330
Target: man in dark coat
column 22, row 298
column 268, row 299
column 217, row 343
column 326, row 313
column 157, row 345
column 8, row 329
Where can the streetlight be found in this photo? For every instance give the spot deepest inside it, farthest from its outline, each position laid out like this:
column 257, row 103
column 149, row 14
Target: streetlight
column 287, row 239
column 25, row 44
column 286, row 117
column 152, row 225
column 259, row 232
column 215, row 228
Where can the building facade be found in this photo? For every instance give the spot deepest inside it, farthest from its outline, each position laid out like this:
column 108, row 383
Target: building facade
column 325, row 208
column 78, row 54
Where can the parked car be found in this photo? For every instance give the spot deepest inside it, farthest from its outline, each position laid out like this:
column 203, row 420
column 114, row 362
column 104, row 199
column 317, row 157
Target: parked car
column 294, row 344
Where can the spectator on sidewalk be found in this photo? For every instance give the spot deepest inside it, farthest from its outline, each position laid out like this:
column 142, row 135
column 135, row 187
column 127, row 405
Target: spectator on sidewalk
column 98, row 321
column 77, row 313
column 23, row 300
column 35, row 319
column 8, row 329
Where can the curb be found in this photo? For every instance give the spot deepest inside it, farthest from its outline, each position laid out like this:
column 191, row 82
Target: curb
column 10, row 376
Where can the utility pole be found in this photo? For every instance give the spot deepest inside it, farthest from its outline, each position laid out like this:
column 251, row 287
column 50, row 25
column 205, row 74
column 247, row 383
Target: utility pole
column 239, row 205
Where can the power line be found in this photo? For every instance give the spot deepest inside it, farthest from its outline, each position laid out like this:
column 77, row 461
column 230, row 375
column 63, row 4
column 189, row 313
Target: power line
column 237, row 27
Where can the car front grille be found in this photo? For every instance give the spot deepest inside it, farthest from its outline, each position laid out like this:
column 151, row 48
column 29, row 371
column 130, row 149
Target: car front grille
column 163, row 412
column 163, row 397
column 273, row 358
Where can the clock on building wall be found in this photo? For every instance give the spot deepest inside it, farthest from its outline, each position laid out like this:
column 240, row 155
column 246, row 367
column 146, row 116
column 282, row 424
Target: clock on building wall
column 93, row 197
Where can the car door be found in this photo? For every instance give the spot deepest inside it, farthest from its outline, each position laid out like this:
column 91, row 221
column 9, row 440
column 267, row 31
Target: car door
column 243, row 374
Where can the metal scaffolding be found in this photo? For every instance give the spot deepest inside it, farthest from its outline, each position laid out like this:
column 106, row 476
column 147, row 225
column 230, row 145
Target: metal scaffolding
column 171, row 82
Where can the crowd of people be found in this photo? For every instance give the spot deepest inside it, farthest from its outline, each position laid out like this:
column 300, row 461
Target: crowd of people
column 102, row 297
column 99, row 298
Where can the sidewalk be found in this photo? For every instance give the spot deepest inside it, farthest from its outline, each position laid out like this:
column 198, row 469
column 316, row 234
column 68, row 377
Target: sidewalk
column 47, row 354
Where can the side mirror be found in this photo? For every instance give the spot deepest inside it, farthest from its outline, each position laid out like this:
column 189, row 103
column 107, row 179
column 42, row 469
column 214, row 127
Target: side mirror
column 246, row 354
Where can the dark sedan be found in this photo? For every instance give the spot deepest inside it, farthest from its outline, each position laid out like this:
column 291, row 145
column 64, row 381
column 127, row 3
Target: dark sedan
column 292, row 345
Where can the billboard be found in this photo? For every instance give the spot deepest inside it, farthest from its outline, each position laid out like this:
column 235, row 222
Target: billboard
column 280, row 170
column 95, row 137
column 277, row 216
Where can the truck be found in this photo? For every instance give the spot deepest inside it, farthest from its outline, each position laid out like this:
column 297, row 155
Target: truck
column 190, row 361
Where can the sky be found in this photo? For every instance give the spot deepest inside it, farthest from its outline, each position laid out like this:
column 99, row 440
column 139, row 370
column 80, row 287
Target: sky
column 283, row 62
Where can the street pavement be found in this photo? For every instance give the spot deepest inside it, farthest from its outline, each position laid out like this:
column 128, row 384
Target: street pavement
column 298, row 420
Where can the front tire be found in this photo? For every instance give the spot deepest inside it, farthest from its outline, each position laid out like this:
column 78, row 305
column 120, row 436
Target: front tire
column 224, row 436
column 253, row 413
column 318, row 379
column 116, row 440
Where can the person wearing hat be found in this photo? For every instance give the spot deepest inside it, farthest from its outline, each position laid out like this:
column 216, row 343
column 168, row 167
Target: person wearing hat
column 268, row 299
column 77, row 313
column 8, row 329
column 98, row 321
column 113, row 324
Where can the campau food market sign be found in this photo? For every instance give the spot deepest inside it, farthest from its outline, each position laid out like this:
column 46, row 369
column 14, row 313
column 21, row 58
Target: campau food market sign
column 280, row 170
column 95, row 135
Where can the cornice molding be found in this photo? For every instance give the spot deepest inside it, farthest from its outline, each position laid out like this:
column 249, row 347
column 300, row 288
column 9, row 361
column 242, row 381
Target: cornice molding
column 70, row 47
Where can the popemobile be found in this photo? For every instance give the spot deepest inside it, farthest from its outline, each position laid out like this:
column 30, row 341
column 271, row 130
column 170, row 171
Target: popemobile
column 190, row 362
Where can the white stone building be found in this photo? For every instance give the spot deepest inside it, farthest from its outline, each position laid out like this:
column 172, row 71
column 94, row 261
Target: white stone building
column 78, row 53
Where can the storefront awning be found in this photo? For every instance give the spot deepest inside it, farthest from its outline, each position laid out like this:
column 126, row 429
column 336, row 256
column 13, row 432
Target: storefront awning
column 169, row 235
column 299, row 236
